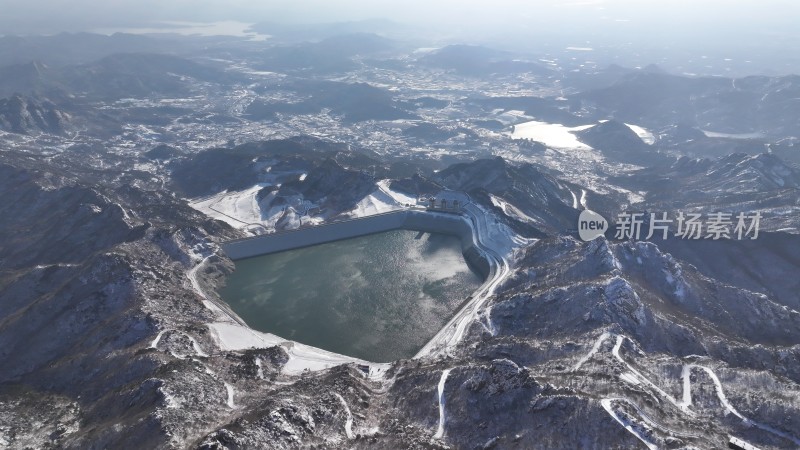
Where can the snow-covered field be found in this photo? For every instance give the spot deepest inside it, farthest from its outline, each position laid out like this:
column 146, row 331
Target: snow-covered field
column 232, row 336
column 558, row 136
column 236, row 208
column 714, row 134
column 552, row 135
column 242, row 210
column 375, row 203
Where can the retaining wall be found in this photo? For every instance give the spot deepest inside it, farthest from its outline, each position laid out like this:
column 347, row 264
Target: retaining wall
column 415, row 220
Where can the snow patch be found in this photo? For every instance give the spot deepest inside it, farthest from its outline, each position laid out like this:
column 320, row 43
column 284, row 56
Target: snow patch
column 382, row 199
column 511, row 210
column 630, row 378
column 229, row 399
column 635, row 374
column 440, row 389
column 260, row 372
column 155, row 342
column 233, row 336
column 687, row 399
column 196, row 346
column 594, row 350
column 714, row 134
column 553, row 135
column 169, row 399
column 375, row 203
column 348, row 425
column 399, row 197
column 236, row 208
column 644, row 134
column 608, row 405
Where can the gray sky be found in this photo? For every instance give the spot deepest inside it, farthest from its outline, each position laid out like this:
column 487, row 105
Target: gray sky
column 35, row 16
column 756, row 35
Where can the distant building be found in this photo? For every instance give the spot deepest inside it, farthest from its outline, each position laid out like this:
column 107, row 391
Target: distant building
column 447, row 201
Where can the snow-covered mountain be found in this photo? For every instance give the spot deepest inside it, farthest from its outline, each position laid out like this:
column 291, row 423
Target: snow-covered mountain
column 117, row 193
column 19, row 114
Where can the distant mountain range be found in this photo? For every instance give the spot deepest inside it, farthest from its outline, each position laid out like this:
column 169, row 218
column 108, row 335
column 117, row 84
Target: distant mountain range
column 475, row 60
column 745, row 105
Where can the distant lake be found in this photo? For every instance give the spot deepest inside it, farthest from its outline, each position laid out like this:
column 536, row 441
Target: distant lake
column 379, row 297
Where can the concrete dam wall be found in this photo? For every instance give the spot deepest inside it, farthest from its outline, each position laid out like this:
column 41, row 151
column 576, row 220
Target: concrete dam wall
column 415, row 220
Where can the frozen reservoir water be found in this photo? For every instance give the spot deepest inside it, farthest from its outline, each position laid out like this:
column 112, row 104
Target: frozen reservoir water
column 379, row 297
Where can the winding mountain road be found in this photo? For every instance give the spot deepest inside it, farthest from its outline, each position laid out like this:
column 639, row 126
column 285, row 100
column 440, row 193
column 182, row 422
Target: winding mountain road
column 453, row 332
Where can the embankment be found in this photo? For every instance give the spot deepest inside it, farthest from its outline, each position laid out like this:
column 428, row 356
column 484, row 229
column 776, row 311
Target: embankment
column 409, row 219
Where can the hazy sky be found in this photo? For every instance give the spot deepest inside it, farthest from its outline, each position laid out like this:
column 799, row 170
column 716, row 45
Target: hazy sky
column 757, row 36
column 50, row 16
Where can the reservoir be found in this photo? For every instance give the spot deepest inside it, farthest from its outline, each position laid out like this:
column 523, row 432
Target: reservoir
column 379, row 297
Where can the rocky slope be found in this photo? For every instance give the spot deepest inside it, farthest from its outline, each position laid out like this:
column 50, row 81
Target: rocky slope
column 743, row 105
column 734, row 183
column 526, row 194
column 113, row 335
column 618, row 142
column 26, row 115
column 581, row 339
